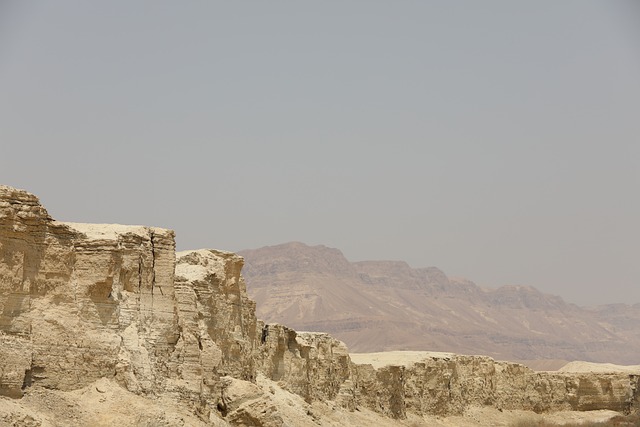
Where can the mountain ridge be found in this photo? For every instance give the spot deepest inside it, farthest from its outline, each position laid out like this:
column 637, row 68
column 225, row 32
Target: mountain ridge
column 388, row 305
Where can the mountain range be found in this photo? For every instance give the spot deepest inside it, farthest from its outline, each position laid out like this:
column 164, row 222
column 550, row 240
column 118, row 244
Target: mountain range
column 387, row 305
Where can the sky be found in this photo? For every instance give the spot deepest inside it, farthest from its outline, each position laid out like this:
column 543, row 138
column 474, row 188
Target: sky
column 496, row 140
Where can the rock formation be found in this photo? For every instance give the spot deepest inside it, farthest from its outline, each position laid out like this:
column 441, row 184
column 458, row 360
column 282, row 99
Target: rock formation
column 113, row 310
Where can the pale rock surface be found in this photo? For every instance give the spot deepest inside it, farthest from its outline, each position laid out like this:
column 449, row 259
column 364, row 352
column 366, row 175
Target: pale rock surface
column 400, row 358
column 102, row 403
column 450, row 384
column 79, row 302
column 313, row 365
column 217, row 326
column 579, row 366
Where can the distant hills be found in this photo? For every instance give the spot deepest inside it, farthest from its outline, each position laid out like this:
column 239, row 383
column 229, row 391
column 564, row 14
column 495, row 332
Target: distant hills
column 387, row 305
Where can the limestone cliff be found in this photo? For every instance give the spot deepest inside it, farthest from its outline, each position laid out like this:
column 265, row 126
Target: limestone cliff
column 311, row 364
column 84, row 305
column 79, row 302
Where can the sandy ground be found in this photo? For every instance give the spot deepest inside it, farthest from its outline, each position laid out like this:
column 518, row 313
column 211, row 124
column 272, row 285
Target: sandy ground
column 542, row 364
column 104, row 403
column 490, row 417
column 578, row 366
column 101, row 404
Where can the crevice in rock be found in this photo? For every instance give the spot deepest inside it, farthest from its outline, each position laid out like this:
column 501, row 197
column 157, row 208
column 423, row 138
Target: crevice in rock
column 153, row 260
column 31, row 375
column 222, row 405
column 139, row 275
column 28, row 379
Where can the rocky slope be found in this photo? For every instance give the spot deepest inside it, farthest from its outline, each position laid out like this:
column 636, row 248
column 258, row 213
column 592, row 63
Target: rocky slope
column 387, row 305
column 107, row 323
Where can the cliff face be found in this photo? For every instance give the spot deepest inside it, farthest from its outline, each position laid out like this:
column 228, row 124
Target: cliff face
column 450, row 385
column 80, row 303
column 311, row 364
column 216, row 320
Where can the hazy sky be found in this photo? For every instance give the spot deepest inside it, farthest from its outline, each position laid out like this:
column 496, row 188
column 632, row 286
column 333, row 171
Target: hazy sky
column 496, row 140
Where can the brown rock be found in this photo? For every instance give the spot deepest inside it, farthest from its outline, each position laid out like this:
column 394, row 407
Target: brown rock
column 387, row 305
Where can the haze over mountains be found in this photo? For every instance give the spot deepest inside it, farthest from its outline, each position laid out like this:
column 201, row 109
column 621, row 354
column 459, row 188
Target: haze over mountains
column 387, row 305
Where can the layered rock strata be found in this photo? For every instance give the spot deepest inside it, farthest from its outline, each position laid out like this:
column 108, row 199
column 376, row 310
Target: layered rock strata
column 446, row 386
column 79, row 302
column 311, row 364
column 82, row 302
column 217, row 325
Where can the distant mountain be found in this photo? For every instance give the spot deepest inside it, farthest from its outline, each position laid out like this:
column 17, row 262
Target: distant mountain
column 387, row 305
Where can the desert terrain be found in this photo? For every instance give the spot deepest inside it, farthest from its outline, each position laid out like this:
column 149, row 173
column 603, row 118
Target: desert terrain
column 378, row 306
column 108, row 324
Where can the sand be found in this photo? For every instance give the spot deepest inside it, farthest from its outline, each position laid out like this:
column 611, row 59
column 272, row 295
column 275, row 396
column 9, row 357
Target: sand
column 579, row 366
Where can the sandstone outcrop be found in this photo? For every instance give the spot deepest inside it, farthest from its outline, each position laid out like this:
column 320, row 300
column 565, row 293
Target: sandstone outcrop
column 104, row 312
column 217, row 324
column 464, row 381
column 450, row 384
column 310, row 364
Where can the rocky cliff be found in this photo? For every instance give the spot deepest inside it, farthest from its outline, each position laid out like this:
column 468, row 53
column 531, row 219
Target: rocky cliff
column 114, row 309
column 81, row 302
